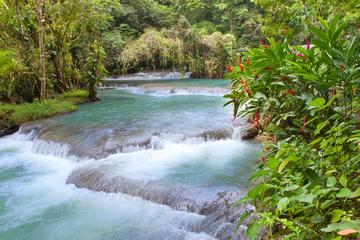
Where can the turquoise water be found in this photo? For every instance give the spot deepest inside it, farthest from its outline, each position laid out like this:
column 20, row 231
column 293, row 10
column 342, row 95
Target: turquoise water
column 163, row 135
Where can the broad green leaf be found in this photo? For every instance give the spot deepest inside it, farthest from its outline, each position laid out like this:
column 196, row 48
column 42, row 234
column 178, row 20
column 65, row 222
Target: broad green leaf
column 258, row 174
column 347, row 193
column 321, row 34
column 331, row 182
column 334, row 227
column 316, row 141
column 343, row 180
column 291, row 188
column 283, row 203
column 324, row 24
column 283, row 165
column 317, row 103
column 273, row 163
column 256, row 191
column 320, row 126
column 253, row 230
column 336, row 215
column 307, row 198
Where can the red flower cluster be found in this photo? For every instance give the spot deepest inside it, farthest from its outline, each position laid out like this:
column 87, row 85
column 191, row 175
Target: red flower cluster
column 241, row 67
column 247, row 61
column 262, row 43
column 308, row 44
column 291, row 92
column 245, row 85
column 300, row 55
column 229, row 68
column 263, row 159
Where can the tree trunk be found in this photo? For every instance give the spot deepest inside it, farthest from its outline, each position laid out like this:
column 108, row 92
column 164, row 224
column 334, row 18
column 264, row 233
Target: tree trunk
column 92, row 92
column 42, row 69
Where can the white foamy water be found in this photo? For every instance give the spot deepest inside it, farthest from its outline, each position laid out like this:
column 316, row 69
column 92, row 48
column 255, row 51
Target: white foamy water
column 147, row 147
column 168, row 91
column 35, row 203
column 154, row 75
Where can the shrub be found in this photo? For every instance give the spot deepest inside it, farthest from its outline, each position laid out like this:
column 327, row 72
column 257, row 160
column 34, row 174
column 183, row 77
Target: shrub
column 307, row 97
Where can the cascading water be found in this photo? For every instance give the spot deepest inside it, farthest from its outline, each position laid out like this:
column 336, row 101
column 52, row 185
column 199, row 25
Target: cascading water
column 137, row 166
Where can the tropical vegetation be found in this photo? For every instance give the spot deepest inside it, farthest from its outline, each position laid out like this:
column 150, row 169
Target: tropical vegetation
column 307, row 98
column 300, row 86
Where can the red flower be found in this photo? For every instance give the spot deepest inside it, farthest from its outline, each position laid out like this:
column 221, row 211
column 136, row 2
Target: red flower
column 291, row 92
column 302, row 129
column 308, row 44
column 262, row 43
column 241, row 67
column 229, row 68
column 255, row 73
column 300, row 55
column 263, row 159
column 245, row 85
column 268, row 68
column 247, row 61
column 243, row 82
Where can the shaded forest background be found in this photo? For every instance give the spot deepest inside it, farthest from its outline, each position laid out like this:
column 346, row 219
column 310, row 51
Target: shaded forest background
column 83, row 40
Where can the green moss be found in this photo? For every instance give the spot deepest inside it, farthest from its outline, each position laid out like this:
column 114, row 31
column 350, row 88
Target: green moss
column 17, row 114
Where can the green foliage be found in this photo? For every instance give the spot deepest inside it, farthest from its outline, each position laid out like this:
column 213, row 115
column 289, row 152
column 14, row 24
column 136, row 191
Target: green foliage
column 308, row 182
column 70, row 27
column 153, row 49
column 296, row 15
column 17, row 114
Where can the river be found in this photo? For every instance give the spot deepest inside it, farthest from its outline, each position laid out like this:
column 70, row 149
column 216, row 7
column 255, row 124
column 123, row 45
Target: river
column 152, row 160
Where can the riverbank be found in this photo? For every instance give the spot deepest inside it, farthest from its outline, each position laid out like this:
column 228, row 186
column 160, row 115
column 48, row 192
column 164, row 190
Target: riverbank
column 12, row 116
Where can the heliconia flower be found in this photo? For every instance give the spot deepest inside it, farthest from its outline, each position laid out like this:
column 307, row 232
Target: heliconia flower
column 268, row 68
column 243, row 82
column 247, row 61
column 302, row 129
column 247, row 92
column 241, row 67
column 229, row 68
column 291, row 92
column 262, row 43
column 308, row 44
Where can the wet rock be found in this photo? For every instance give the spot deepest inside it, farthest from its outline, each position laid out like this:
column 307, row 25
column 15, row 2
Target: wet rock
column 31, row 128
column 100, row 144
column 8, row 130
column 218, row 207
column 249, row 133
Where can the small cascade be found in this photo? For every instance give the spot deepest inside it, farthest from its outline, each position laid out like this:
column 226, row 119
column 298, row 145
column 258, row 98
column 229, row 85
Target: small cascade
column 50, row 148
column 152, row 75
column 218, row 207
column 164, row 91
